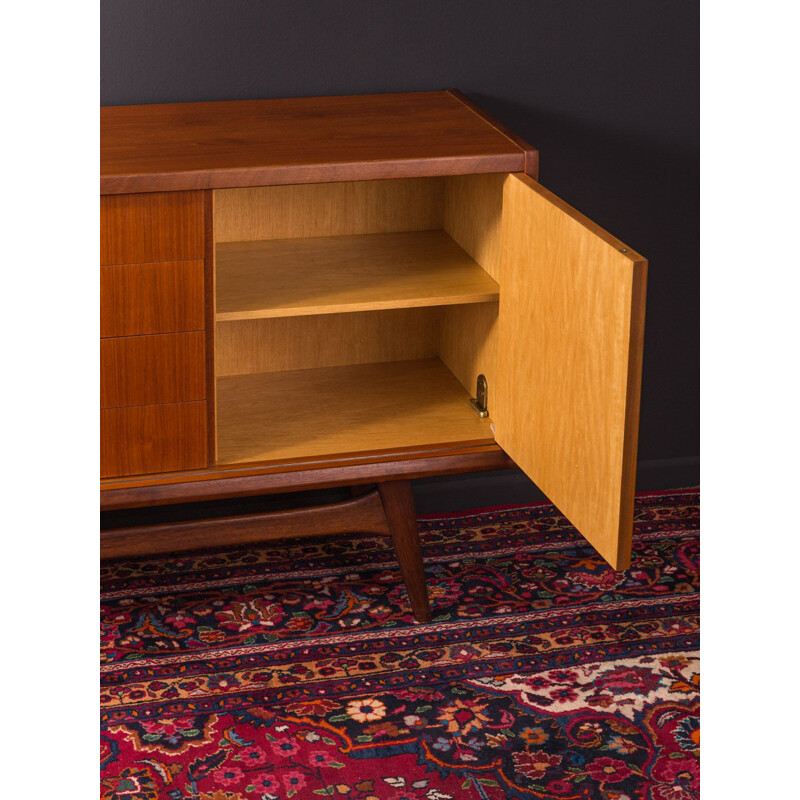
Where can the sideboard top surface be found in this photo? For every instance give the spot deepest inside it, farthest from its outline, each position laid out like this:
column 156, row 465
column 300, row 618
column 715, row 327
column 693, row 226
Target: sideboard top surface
column 215, row 145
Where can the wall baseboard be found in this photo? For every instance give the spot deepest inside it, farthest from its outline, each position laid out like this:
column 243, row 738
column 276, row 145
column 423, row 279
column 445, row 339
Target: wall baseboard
column 506, row 487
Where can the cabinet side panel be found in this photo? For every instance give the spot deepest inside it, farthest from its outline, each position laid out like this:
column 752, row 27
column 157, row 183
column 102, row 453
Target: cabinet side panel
column 467, row 344
column 473, row 214
column 473, row 217
column 328, row 209
column 149, row 439
column 141, row 228
column 327, row 340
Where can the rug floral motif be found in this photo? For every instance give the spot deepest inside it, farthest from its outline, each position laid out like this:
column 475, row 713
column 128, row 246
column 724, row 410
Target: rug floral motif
column 296, row 670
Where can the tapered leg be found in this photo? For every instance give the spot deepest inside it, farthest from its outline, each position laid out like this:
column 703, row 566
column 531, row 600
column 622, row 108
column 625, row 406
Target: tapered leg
column 398, row 503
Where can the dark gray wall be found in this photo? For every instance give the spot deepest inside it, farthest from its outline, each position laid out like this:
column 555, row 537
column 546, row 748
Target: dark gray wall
column 608, row 91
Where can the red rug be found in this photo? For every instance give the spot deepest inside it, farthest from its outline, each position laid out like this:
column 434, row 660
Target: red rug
column 296, row 671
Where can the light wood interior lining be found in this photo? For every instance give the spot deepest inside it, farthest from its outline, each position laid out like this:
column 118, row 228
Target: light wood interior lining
column 473, row 218
column 460, row 215
column 467, row 342
column 316, row 412
column 328, row 209
column 328, row 340
column 330, row 274
column 473, row 215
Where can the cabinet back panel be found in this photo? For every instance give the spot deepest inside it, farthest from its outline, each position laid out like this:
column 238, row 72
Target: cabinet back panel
column 328, row 209
column 473, row 216
column 328, row 340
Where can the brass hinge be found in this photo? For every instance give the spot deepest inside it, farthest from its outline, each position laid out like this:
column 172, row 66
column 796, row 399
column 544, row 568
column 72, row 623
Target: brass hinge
column 478, row 403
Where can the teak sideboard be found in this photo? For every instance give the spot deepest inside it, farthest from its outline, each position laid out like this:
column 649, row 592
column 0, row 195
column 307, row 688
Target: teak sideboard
column 319, row 292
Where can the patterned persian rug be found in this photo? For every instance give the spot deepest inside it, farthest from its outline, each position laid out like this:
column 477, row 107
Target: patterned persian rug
column 295, row 670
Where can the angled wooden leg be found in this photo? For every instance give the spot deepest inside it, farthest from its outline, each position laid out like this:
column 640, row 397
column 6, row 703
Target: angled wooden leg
column 398, row 504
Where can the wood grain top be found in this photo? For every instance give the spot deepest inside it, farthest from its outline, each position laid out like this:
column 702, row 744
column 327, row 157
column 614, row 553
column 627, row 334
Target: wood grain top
column 178, row 146
column 331, row 274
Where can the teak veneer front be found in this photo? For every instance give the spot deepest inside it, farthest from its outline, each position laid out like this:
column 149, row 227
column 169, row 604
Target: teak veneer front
column 142, row 228
column 143, row 370
column 168, row 437
column 165, row 297
column 302, row 293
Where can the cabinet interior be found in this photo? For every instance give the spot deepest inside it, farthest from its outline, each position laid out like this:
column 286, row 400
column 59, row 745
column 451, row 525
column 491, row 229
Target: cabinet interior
column 354, row 316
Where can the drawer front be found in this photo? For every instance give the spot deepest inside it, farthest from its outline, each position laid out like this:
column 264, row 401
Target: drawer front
column 163, row 297
column 142, row 370
column 140, row 228
column 147, row 439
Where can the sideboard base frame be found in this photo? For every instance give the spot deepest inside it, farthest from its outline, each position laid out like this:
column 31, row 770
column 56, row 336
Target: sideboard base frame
column 223, row 483
column 386, row 511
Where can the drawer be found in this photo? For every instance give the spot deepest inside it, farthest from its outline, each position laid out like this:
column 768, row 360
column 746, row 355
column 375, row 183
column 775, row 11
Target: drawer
column 142, row 370
column 140, row 228
column 147, row 439
column 163, row 297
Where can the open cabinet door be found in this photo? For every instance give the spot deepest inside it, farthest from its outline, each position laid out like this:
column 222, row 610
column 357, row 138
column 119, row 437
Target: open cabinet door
column 566, row 397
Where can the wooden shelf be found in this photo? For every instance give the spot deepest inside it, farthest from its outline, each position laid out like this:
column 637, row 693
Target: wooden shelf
column 332, row 274
column 318, row 412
